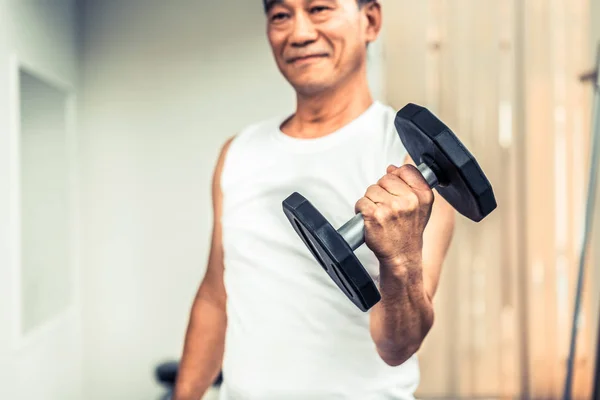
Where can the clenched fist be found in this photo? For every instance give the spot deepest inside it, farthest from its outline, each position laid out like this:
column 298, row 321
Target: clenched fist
column 396, row 211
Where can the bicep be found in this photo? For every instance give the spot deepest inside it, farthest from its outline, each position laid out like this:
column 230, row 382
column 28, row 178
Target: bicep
column 436, row 240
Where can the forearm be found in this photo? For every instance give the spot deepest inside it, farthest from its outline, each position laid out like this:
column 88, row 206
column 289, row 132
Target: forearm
column 404, row 316
column 203, row 350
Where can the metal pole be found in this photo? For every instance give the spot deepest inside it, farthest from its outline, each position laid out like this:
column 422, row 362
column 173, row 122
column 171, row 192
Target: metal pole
column 589, row 217
column 596, row 388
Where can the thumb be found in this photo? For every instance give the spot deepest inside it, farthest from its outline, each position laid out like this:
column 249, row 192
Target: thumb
column 391, row 169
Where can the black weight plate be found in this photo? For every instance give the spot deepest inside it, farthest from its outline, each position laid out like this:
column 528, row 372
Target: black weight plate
column 463, row 183
column 331, row 251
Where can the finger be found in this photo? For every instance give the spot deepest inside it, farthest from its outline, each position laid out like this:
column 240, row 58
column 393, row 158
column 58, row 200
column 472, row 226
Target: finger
column 413, row 177
column 394, row 185
column 373, row 214
column 366, row 207
column 418, row 185
column 390, row 169
column 399, row 196
column 378, row 195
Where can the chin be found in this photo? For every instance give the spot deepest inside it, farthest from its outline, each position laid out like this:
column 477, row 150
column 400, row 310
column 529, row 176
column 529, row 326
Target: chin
column 312, row 86
column 311, row 90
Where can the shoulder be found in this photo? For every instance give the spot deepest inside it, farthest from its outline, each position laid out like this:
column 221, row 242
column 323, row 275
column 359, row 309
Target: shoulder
column 382, row 117
column 253, row 133
column 387, row 114
column 247, row 145
column 393, row 148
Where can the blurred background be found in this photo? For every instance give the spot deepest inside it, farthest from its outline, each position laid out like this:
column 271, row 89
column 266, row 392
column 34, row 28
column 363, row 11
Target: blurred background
column 112, row 114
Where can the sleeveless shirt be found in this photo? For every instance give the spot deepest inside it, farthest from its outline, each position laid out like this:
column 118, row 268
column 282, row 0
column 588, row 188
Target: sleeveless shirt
column 291, row 333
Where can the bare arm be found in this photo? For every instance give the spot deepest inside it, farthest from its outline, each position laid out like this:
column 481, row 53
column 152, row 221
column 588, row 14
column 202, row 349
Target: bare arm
column 205, row 337
column 409, row 279
column 436, row 240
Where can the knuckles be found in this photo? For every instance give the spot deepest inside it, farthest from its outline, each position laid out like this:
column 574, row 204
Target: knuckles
column 409, row 202
column 409, row 171
column 365, row 207
column 387, row 180
column 382, row 214
column 428, row 197
column 373, row 189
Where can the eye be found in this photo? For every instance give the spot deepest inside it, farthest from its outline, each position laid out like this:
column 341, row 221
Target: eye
column 318, row 9
column 280, row 16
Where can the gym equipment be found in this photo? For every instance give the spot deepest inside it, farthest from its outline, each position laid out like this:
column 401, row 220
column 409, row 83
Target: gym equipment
column 445, row 164
column 166, row 374
column 593, row 76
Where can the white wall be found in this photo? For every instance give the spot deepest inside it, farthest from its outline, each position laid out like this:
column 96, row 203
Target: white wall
column 6, row 306
column 48, row 363
column 595, row 22
column 165, row 84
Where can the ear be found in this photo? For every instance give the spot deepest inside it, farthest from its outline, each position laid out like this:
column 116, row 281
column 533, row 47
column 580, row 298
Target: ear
column 373, row 19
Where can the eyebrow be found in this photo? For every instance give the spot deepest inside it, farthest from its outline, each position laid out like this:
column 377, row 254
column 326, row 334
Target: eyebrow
column 269, row 4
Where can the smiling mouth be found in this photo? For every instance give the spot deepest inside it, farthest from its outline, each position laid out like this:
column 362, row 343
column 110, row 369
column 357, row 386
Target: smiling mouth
column 305, row 58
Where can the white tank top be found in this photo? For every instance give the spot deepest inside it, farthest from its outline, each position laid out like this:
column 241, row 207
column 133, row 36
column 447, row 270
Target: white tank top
column 291, row 333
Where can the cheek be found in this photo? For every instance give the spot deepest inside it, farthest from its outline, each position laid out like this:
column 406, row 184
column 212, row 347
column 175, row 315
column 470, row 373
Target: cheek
column 275, row 41
column 342, row 35
column 337, row 26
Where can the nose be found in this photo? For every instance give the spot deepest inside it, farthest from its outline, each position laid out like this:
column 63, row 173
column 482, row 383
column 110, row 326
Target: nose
column 304, row 31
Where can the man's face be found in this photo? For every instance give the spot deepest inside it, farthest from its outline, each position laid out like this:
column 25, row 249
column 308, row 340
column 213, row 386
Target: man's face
column 318, row 44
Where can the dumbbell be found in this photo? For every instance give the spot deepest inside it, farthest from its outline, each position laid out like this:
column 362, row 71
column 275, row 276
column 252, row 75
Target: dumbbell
column 445, row 164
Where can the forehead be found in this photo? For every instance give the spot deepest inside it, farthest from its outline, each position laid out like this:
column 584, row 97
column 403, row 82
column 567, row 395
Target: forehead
column 270, row 3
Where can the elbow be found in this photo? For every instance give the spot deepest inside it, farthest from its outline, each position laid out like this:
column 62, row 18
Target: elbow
column 397, row 353
column 397, row 358
column 393, row 361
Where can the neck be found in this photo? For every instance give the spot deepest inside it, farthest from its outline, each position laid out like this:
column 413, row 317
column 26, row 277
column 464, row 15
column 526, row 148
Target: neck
column 322, row 113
